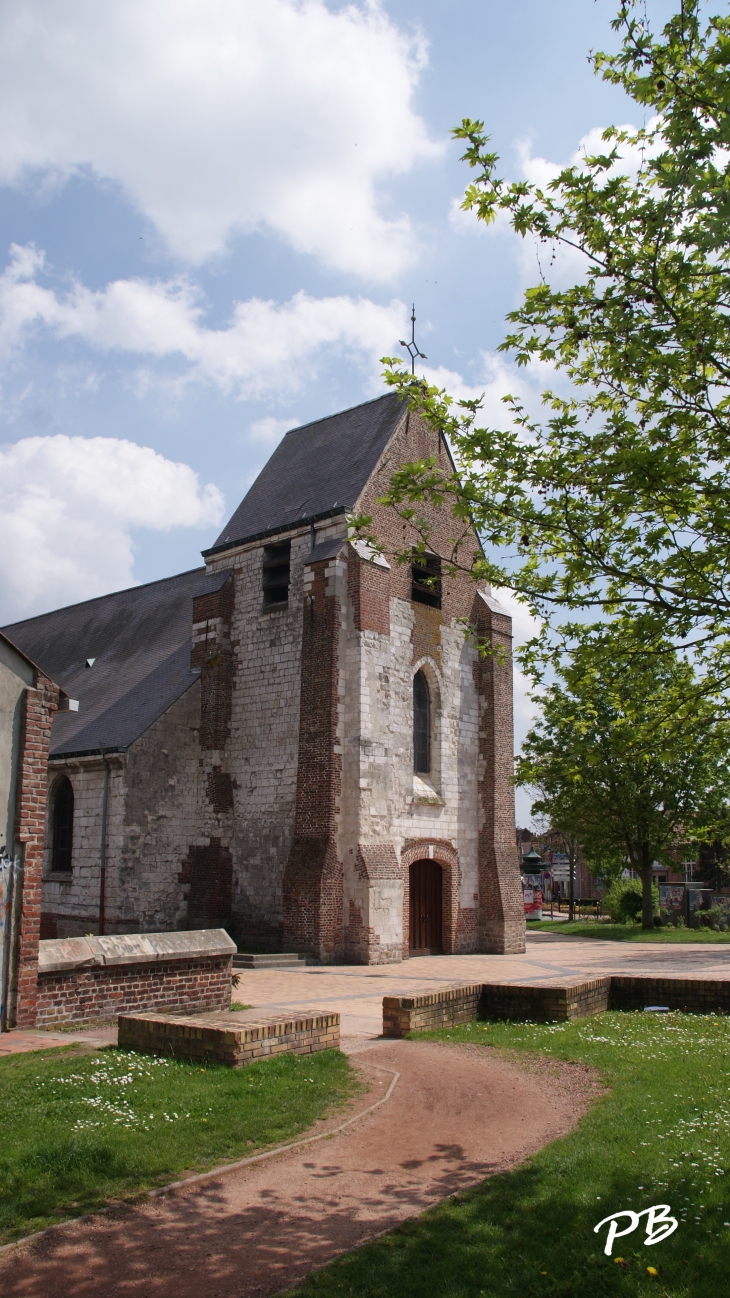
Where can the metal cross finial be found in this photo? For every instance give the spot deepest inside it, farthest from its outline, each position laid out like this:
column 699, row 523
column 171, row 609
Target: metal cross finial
column 411, row 347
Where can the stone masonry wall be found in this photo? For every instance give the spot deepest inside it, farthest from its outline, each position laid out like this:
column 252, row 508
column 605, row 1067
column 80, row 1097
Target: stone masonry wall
column 262, row 751
column 155, row 813
column 501, row 921
column 71, row 900
column 462, row 814
column 312, row 886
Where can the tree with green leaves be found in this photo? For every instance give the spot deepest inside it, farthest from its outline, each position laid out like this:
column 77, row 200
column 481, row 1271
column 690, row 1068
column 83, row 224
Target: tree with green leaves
column 631, row 753
column 618, row 497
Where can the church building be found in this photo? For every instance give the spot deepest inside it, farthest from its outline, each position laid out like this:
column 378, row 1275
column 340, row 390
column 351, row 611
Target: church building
column 301, row 741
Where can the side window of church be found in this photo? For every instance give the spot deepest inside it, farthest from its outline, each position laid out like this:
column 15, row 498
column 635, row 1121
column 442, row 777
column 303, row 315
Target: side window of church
column 275, row 574
column 421, row 725
column 426, row 579
column 63, row 827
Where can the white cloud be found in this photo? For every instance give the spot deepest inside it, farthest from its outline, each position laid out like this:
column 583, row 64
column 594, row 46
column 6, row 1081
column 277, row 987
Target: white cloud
column 540, row 171
column 497, row 378
column 270, row 430
column 222, row 117
column 67, row 507
column 535, row 170
column 559, row 265
column 463, row 221
column 630, row 156
column 267, row 346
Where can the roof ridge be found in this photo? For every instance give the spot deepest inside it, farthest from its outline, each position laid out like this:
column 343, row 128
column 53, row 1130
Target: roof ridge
column 359, row 405
column 94, row 598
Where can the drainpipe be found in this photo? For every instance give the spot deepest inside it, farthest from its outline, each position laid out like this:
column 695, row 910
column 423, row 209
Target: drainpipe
column 7, row 904
column 11, row 990
column 102, row 856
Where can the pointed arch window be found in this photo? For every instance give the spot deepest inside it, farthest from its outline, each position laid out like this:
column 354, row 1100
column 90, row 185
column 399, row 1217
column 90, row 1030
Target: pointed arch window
column 63, row 825
column 421, row 725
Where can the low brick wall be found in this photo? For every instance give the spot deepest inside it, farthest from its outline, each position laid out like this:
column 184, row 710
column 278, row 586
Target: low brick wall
column 235, row 1044
column 693, row 995
column 100, row 977
column 549, row 1002
column 545, row 1002
column 442, row 1009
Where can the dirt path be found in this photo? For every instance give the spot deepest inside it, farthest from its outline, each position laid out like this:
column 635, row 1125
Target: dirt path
column 456, row 1115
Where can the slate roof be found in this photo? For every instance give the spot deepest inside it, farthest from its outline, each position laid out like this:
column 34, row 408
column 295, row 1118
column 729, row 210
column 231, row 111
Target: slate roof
column 140, row 639
column 317, row 470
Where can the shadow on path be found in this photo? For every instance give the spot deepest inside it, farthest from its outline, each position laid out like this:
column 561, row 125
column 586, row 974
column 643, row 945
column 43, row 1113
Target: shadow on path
column 456, row 1115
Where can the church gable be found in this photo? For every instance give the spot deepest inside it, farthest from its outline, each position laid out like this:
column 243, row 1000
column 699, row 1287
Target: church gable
column 421, row 583
column 317, row 471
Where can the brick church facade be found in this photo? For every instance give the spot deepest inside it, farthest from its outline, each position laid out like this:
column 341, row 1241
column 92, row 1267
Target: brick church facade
column 300, row 741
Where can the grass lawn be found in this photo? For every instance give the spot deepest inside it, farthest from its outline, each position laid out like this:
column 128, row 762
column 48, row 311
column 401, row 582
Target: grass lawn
column 81, row 1129
column 624, row 932
column 661, row 1134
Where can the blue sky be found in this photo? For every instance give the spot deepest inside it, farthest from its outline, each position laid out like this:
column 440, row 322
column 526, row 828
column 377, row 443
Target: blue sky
column 213, row 220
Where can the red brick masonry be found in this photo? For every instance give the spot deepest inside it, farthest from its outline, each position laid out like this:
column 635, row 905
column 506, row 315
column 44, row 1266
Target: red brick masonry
column 223, row 1041
column 444, row 1009
column 39, row 706
column 101, row 977
column 549, row 1002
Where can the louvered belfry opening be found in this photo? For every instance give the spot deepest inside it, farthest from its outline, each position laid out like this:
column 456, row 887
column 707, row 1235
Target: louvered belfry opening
column 421, row 725
column 275, row 574
column 426, row 579
column 63, row 824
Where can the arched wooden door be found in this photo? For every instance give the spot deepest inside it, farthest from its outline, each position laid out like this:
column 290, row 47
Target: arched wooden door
column 426, row 908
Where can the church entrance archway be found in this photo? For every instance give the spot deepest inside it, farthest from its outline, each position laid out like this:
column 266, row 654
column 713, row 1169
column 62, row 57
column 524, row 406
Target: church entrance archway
column 425, row 878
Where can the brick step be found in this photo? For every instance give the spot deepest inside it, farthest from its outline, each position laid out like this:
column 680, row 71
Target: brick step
column 283, row 960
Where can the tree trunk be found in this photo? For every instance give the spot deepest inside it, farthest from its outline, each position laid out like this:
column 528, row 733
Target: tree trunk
column 647, row 901
column 571, row 894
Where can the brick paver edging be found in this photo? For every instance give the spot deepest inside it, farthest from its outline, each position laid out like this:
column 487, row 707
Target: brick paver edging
column 223, row 1168
column 551, row 1001
column 234, row 1044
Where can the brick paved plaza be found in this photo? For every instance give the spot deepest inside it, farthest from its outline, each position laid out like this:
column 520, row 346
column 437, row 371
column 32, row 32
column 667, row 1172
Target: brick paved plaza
column 357, row 991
